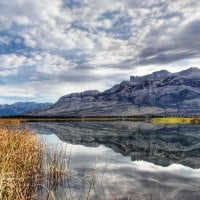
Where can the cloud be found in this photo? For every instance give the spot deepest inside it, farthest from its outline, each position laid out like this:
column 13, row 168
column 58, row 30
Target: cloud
column 79, row 43
column 180, row 45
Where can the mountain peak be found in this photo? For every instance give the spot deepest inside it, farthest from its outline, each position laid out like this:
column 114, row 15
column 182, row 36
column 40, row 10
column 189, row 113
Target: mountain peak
column 192, row 71
column 159, row 74
column 162, row 74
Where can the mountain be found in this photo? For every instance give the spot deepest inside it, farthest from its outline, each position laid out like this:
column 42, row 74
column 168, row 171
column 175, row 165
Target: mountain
column 20, row 108
column 160, row 93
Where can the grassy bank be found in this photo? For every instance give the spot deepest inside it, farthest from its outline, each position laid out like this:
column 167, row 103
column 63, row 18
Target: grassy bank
column 20, row 162
column 176, row 120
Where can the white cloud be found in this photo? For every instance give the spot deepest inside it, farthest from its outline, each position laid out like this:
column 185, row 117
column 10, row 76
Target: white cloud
column 103, row 39
column 8, row 72
column 13, row 92
column 49, row 64
column 9, row 64
column 43, row 62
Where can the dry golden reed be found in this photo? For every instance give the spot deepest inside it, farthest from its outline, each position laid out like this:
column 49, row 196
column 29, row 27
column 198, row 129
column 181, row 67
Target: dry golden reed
column 20, row 163
column 29, row 170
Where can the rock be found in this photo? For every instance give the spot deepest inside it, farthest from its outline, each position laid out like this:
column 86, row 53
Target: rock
column 160, row 93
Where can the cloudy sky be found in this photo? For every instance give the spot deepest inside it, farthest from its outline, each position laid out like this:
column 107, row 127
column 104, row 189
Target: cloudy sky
column 49, row 48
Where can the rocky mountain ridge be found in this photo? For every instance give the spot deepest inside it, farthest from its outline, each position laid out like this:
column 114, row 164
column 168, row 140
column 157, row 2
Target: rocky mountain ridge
column 160, row 93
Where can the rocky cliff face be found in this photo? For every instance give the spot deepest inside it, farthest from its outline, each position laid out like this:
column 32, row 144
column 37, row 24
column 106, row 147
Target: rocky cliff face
column 159, row 93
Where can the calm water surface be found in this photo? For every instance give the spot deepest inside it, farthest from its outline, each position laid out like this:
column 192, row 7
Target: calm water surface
column 132, row 160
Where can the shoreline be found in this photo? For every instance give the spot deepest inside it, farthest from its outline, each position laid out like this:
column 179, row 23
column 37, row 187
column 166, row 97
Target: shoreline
column 153, row 119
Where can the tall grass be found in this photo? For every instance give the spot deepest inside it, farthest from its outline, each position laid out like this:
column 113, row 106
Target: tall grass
column 20, row 163
column 31, row 170
column 26, row 168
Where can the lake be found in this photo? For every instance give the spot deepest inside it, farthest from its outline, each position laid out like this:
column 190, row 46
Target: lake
column 126, row 160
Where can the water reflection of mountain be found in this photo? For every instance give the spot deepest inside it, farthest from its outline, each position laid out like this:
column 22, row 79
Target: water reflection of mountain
column 160, row 144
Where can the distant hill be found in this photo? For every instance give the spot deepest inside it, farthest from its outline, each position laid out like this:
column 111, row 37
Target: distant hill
column 20, row 108
column 160, row 93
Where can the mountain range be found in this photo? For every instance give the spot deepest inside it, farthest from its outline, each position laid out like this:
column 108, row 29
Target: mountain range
column 21, row 108
column 159, row 93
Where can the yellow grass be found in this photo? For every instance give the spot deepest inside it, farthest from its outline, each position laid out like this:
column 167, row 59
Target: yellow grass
column 25, row 166
column 9, row 122
column 20, row 163
column 176, row 120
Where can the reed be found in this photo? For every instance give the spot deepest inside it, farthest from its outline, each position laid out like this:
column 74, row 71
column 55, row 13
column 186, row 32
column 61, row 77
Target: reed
column 9, row 122
column 30, row 169
column 20, row 163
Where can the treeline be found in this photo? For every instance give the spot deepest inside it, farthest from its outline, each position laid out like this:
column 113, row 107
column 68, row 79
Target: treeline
column 99, row 117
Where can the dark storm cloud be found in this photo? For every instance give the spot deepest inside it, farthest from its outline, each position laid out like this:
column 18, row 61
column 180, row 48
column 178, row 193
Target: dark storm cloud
column 190, row 36
column 165, row 58
column 182, row 45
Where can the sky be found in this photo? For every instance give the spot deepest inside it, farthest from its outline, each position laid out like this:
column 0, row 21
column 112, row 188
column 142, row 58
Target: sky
column 50, row 48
